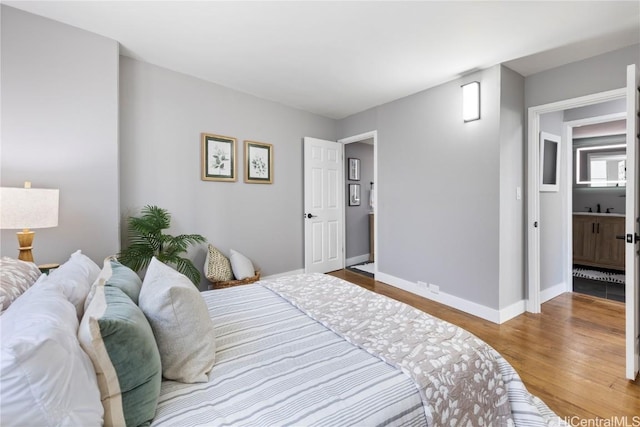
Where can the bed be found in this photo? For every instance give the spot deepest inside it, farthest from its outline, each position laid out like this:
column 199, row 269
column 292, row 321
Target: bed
column 308, row 349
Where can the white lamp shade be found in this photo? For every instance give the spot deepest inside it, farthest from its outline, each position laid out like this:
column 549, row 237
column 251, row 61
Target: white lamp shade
column 22, row 208
column 471, row 101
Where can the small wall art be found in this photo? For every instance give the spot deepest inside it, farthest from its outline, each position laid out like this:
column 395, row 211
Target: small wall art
column 258, row 162
column 354, row 194
column 218, row 155
column 354, row 169
column 549, row 162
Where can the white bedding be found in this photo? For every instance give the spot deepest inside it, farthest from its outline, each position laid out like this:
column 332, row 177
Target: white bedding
column 276, row 366
column 281, row 361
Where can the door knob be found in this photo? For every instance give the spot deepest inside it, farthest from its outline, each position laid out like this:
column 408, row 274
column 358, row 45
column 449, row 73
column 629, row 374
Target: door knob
column 311, row 216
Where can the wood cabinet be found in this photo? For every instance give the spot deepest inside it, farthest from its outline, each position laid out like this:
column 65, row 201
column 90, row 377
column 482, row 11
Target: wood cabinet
column 595, row 243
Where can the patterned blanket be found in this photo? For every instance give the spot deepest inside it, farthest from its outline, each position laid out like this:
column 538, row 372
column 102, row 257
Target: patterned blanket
column 461, row 379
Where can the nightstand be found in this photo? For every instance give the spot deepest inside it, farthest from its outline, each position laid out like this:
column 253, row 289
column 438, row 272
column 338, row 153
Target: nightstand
column 46, row 268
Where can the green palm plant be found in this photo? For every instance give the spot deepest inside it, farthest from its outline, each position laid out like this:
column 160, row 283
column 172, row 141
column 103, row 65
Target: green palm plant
column 147, row 240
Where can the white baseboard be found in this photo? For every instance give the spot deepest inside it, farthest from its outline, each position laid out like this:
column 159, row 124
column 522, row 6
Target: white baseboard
column 479, row 310
column 357, row 260
column 514, row 310
column 552, row 292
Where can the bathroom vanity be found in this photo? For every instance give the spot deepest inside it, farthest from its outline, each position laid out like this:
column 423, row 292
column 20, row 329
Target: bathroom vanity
column 594, row 240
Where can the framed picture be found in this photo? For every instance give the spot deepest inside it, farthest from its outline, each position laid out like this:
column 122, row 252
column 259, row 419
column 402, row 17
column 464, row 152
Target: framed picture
column 549, row 162
column 354, row 169
column 218, row 158
column 354, row 194
column 258, row 162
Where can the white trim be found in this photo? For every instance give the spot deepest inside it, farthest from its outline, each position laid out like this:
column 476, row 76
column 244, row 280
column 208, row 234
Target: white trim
column 533, row 183
column 553, row 291
column 470, row 307
column 632, row 212
column 514, row 310
column 357, row 138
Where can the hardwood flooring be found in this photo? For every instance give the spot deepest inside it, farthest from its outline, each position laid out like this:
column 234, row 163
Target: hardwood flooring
column 572, row 356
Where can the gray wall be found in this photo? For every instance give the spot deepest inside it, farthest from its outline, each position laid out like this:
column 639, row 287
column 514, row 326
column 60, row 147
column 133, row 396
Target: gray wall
column 597, row 74
column 357, row 217
column 511, row 257
column 60, row 130
column 439, row 188
column 162, row 115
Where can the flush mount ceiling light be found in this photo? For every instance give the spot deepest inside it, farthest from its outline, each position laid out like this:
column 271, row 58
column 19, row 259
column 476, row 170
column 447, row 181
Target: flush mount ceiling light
column 471, row 101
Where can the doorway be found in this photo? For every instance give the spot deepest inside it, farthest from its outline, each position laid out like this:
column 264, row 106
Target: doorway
column 360, row 212
column 537, row 218
column 632, row 215
column 595, row 261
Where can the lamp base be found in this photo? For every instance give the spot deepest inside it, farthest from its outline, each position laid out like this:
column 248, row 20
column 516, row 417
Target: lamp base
column 25, row 241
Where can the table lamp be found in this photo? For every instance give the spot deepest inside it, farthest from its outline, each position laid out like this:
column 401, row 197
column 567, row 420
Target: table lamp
column 26, row 208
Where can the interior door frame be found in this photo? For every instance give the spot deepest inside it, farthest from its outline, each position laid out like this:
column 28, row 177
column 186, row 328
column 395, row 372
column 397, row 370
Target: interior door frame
column 358, row 138
column 533, row 304
column 567, row 205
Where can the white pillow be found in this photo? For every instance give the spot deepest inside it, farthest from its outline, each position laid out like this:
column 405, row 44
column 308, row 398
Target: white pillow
column 45, row 377
column 241, row 265
column 181, row 324
column 76, row 277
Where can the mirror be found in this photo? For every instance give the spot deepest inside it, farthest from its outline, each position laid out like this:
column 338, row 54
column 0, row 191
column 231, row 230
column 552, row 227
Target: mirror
column 602, row 166
column 549, row 162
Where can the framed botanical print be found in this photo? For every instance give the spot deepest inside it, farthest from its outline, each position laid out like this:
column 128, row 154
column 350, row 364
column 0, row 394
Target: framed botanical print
column 258, row 162
column 218, row 158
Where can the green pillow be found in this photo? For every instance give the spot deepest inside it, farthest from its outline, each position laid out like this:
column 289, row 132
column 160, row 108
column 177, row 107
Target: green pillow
column 126, row 279
column 119, row 340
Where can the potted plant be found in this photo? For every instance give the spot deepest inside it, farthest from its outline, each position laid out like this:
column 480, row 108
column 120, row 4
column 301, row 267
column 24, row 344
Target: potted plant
column 146, row 240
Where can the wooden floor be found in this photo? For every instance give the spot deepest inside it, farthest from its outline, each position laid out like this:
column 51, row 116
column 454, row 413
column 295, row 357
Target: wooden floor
column 572, row 356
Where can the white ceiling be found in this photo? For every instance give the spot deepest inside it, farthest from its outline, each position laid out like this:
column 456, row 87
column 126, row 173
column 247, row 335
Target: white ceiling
column 339, row 58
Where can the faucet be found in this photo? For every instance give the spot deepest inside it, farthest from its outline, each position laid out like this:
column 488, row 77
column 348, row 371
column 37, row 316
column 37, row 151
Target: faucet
column 598, row 208
column 609, row 210
column 588, row 207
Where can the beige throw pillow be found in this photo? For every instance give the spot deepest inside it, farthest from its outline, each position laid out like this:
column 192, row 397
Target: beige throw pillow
column 181, row 324
column 217, row 267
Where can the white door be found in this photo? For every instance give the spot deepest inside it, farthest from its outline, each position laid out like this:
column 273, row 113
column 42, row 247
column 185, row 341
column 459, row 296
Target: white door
column 632, row 218
column 323, row 206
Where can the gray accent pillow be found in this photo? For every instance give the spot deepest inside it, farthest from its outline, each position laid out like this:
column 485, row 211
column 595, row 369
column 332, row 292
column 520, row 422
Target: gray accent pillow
column 126, row 279
column 16, row 276
column 181, row 324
